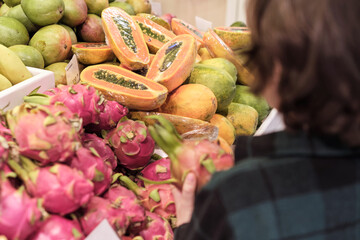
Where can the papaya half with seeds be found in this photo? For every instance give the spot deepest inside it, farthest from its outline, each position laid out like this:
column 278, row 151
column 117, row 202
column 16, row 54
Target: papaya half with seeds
column 218, row 48
column 125, row 38
column 124, row 86
column 155, row 19
column 173, row 62
column 180, row 27
column 92, row 53
column 155, row 35
column 188, row 128
column 234, row 37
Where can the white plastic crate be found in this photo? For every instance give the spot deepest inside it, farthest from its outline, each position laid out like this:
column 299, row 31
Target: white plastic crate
column 13, row 96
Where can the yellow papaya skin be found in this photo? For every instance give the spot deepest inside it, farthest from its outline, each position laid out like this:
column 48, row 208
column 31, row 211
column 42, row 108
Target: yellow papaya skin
column 226, row 129
column 217, row 48
column 234, row 37
column 129, row 46
column 244, row 118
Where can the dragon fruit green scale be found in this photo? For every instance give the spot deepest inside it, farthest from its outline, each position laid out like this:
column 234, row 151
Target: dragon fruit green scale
column 132, row 143
column 41, row 134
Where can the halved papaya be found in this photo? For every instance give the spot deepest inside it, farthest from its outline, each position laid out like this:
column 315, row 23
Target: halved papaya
column 155, row 35
column 92, row 53
column 235, row 37
column 179, row 27
column 124, row 86
column 152, row 56
column 188, row 128
column 217, row 48
column 125, row 38
column 155, row 19
column 173, row 62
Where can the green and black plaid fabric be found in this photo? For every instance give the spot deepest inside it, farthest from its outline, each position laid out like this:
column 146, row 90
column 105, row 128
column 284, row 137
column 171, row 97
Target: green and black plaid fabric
column 284, row 186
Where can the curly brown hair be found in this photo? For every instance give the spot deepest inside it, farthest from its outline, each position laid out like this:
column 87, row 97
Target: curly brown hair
column 317, row 43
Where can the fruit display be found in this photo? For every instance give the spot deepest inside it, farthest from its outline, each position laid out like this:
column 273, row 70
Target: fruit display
column 92, row 52
column 155, row 35
column 80, row 153
column 125, row 38
column 173, row 62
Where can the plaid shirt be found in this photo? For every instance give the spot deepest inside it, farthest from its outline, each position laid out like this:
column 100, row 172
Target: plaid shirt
column 284, row 186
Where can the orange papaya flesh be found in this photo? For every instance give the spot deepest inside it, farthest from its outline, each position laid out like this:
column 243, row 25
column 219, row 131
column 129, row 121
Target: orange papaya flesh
column 179, row 27
column 155, row 35
column 234, row 37
column 217, row 48
column 152, row 56
column 92, row 53
column 125, row 38
column 173, row 62
column 155, row 19
column 124, row 86
column 188, row 128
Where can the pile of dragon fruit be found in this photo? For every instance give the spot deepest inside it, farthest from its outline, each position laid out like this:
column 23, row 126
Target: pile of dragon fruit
column 70, row 159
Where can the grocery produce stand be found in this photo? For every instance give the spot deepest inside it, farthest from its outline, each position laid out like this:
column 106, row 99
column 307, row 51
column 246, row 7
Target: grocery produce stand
column 91, row 147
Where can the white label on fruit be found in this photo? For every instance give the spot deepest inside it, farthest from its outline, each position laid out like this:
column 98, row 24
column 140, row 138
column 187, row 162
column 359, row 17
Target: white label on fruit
column 72, row 71
column 202, row 24
column 103, row 231
column 156, row 8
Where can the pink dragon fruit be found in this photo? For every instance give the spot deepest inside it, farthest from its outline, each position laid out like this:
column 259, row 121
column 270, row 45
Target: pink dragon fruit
column 58, row 228
column 157, row 198
column 126, row 199
column 99, row 209
column 158, row 170
column 99, row 144
column 111, row 115
column 19, row 214
column 41, row 134
column 157, row 228
column 62, row 189
column 201, row 157
column 132, row 143
column 81, row 99
column 89, row 162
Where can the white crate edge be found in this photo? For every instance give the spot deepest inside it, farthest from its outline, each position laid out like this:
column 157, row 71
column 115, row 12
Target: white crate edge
column 13, row 96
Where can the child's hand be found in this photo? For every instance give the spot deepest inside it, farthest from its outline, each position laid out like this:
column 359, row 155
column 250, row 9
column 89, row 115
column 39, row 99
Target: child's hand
column 184, row 200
